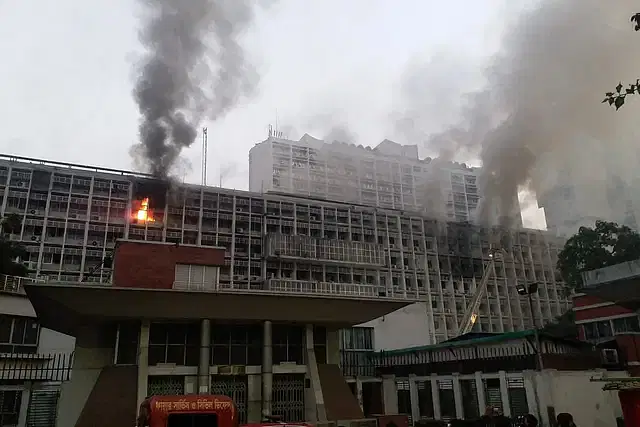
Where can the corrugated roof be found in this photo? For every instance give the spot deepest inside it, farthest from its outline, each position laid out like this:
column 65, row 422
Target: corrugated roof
column 507, row 336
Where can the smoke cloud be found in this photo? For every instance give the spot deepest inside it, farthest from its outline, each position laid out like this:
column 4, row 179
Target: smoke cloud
column 194, row 69
column 542, row 98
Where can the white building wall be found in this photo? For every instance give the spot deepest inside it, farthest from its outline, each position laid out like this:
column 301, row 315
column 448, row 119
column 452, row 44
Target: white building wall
column 261, row 168
column 55, row 342
column 575, row 393
column 407, row 327
column 564, row 391
column 389, row 175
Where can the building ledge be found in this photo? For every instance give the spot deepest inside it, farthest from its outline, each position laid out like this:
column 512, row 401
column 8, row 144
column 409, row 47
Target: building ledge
column 66, row 307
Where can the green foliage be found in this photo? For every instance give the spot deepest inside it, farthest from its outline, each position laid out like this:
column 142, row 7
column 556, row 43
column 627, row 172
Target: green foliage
column 564, row 326
column 11, row 251
column 606, row 244
column 618, row 98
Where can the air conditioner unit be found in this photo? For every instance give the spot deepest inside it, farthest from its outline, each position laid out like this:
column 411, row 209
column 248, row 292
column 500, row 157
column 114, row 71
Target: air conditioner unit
column 610, row 356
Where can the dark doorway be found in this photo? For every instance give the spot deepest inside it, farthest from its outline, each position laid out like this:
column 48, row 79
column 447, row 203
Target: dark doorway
column 372, row 398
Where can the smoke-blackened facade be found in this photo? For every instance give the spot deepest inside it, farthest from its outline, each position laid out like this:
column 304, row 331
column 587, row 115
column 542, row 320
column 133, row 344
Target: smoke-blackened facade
column 72, row 217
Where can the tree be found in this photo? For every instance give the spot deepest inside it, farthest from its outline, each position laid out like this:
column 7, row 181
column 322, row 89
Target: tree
column 10, row 251
column 564, row 326
column 618, row 97
column 606, row 244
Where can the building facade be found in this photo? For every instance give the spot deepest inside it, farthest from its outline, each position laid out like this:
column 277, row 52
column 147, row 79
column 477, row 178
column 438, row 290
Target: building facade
column 166, row 325
column 72, row 216
column 390, row 175
column 34, row 361
column 458, row 379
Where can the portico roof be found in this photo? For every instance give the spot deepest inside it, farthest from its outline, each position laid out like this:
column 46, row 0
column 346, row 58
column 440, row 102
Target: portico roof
column 65, row 307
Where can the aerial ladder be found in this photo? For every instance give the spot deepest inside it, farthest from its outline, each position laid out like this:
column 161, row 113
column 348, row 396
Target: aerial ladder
column 471, row 314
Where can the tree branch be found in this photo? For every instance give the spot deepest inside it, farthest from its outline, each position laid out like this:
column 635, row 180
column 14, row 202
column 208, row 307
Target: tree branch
column 618, row 98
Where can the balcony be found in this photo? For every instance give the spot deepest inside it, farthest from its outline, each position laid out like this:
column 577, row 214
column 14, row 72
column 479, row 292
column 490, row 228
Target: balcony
column 307, row 287
column 281, row 246
column 15, row 284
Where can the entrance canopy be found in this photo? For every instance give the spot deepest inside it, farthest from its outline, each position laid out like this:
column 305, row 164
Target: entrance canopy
column 66, row 307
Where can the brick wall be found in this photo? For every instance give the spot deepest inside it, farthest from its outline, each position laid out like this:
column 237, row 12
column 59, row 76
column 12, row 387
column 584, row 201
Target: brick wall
column 152, row 265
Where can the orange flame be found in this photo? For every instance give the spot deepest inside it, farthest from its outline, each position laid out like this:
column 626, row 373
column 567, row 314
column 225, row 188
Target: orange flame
column 143, row 213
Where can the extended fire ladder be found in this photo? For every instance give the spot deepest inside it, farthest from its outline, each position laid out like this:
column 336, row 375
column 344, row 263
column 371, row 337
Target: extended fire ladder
column 471, row 314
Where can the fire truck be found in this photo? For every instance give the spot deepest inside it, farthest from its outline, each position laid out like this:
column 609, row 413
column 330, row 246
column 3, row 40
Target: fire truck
column 188, row 411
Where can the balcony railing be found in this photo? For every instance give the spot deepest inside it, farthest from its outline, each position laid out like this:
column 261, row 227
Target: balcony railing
column 289, row 286
column 293, row 287
column 36, row 367
column 15, row 284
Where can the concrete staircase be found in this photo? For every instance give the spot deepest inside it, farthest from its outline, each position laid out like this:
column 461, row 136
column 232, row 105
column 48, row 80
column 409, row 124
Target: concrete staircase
column 112, row 401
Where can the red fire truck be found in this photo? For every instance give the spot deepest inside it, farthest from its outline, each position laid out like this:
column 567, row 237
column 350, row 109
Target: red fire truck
column 188, row 411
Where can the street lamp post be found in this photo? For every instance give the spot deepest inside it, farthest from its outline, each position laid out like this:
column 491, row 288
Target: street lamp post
column 529, row 290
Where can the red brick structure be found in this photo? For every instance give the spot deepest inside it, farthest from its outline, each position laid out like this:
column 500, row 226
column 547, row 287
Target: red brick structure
column 152, row 265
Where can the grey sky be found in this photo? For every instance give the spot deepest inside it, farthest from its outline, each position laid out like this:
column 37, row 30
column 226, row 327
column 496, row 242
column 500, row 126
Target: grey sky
column 66, row 75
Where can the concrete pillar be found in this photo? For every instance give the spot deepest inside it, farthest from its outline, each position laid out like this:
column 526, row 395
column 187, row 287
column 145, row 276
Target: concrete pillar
column 267, row 369
column 482, row 401
column 143, row 361
column 457, row 396
column 333, row 346
column 254, row 398
column 390, row 394
column 413, row 394
column 205, row 356
column 435, row 396
column 530, row 390
column 25, row 398
column 504, row 393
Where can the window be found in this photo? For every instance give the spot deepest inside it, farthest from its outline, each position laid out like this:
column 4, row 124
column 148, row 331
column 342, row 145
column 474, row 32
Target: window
column 127, row 352
column 176, row 343
column 598, row 330
column 236, row 345
column 358, row 338
column 626, row 324
column 196, row 277
column 288, row 344
column 18, row 334
column 10, row 407
column 320, row 344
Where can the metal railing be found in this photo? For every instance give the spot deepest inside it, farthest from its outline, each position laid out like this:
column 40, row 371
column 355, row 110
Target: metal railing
column 15, row 284
column 36, row 367
column 196, row 286
column 281, row 286
column 290, row 286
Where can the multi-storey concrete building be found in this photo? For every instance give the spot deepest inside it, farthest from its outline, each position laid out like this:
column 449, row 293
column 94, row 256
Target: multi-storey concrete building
column 390, row 175
column 72, row 216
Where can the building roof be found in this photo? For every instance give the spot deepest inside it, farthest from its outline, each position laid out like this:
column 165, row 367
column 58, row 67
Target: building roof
column 473, row 339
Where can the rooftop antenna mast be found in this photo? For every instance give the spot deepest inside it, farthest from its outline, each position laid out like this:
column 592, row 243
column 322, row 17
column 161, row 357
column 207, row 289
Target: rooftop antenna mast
column 204, row 156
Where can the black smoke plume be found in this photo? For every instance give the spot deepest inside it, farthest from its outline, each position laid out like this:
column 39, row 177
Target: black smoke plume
column 194, row 69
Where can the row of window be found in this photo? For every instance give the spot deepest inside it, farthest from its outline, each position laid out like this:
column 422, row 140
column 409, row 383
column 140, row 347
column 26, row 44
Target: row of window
column 608, row 328
column 230, row 344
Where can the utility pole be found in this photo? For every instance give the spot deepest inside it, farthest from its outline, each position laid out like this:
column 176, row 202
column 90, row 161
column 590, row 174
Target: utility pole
column 204, row 156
